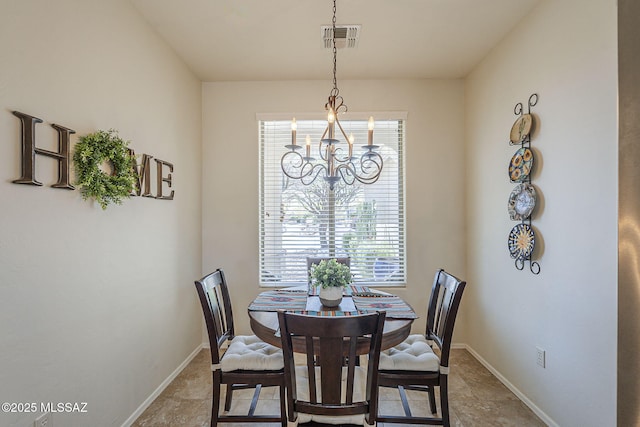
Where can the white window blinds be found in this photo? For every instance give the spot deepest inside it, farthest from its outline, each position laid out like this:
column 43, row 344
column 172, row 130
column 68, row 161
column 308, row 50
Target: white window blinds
column 296, row 221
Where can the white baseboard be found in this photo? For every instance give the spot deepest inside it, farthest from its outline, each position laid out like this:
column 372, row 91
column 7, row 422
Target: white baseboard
column 149, row 400
column 536, row 410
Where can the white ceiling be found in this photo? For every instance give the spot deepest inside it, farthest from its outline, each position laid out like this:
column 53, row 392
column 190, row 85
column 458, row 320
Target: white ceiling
column 224, row 40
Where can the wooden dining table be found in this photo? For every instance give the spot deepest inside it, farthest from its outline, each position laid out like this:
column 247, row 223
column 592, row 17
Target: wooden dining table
column 264, row 323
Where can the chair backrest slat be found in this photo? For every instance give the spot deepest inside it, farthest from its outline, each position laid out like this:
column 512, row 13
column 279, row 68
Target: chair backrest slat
column 351, row 366
column 311, row 370
column 330, row 361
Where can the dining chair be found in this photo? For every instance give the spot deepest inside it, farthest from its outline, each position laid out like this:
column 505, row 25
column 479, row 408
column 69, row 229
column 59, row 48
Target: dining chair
column 324, row 390
column 414, row 365
column 248, row 362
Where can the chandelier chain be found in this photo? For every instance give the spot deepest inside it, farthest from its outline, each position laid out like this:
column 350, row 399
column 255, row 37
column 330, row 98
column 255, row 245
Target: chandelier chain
column 335, row 52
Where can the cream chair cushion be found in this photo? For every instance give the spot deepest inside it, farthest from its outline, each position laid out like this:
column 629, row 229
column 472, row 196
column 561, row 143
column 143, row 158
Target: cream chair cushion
column 249, row 352
column 413, row 354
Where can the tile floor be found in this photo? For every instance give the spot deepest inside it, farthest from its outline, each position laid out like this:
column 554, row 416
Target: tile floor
column 476, row 399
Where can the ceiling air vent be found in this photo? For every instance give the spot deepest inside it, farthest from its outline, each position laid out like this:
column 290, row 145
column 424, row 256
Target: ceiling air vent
column 346, row 36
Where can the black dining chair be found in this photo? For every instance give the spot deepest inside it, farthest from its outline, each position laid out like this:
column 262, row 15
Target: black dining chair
column 325, row 390
column 248, row 362
column 414, row 365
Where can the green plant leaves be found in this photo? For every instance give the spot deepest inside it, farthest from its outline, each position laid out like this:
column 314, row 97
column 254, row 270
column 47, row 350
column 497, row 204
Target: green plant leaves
column 331, row 273
column 93, row 150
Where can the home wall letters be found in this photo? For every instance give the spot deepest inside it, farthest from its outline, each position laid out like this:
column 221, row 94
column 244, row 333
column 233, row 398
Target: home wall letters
column 29, row 151
column 142, row 171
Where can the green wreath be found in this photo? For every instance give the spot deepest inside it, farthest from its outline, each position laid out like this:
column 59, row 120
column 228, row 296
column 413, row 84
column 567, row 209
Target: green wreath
column 90, row 152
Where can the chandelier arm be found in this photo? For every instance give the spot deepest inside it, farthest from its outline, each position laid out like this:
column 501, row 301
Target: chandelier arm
column 298, row 163
column 349, row 175
column 343, row 160
column 339, row 105
column 371, row 157
column 371, row 167
column 342, row 130
column 367, row 180
column 346, row 173
column 318, row 169
column 305, row 168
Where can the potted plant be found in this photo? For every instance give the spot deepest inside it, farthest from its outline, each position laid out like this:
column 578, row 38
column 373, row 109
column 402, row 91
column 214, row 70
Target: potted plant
column 332, row 277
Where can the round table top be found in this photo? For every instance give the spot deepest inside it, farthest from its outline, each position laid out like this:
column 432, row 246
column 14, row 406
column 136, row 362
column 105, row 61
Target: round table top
column 265, row 325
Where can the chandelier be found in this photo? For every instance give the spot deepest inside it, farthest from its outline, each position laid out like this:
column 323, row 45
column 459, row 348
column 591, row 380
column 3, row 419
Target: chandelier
column 334, row 162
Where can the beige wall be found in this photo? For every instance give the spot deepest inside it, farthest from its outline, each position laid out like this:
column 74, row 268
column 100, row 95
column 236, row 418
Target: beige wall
column 95, row 306
column 566, row 52
column 434, row 174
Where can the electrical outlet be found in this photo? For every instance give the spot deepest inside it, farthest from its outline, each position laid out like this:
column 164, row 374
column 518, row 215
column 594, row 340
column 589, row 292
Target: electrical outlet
column 541, row 357
column 43, row 420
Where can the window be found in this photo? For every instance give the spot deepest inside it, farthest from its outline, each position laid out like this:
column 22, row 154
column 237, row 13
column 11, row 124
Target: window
column 366, row 224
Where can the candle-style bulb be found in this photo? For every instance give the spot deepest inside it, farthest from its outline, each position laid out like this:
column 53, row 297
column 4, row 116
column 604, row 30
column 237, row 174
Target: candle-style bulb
column 331, row 122
column 351, row 139
column 371, row 123
column 294, row 127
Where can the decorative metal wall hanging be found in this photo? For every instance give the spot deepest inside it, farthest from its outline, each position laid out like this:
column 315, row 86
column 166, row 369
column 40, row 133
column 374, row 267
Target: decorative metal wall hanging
column 522, row 200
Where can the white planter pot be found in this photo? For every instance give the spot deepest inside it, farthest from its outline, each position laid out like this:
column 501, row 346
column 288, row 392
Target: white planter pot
column 331, row 296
